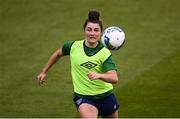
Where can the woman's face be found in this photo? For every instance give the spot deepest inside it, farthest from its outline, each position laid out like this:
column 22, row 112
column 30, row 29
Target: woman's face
column 92, row 32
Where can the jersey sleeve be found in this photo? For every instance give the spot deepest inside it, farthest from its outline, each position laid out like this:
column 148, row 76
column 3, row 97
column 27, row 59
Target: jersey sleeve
column 109, row 64
column 67, row 48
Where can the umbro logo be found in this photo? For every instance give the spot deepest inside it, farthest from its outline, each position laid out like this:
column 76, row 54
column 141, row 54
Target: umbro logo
column 89, row 65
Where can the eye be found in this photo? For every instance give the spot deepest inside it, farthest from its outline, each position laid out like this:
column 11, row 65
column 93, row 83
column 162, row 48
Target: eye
column 96, row 30
column 89, row 29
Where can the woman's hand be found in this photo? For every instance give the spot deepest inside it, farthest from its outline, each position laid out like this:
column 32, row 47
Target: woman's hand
column 93, row 75
column 109, row 76
column 41, row 77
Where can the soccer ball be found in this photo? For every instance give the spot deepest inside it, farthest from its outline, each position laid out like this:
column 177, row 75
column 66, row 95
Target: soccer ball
column 113, row 38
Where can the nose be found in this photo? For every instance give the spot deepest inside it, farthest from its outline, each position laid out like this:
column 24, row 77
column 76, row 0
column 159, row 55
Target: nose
column 92, row 33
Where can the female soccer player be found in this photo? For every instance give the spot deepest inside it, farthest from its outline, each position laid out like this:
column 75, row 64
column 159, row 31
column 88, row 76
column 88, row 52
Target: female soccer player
column 92, row 69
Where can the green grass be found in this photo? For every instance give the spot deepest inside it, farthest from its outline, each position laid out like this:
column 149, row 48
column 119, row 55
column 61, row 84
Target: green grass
column 155, row 92
column 148, row 64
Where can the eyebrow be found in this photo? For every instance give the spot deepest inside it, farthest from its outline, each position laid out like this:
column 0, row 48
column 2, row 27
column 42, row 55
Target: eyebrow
column 93, row 28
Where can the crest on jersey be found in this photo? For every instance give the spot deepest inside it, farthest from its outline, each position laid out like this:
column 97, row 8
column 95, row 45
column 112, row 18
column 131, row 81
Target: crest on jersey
column 89, row 65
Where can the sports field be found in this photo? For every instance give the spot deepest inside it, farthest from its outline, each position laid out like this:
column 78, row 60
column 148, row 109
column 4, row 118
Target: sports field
column 148, row 64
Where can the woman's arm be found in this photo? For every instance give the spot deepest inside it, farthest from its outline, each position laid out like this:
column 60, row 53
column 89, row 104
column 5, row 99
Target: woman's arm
column 109, row 76
column 54, row 57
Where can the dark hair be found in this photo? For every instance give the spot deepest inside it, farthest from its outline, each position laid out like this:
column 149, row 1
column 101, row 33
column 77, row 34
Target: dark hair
column 93, row 17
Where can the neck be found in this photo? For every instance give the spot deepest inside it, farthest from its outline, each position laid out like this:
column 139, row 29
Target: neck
column 91, row 45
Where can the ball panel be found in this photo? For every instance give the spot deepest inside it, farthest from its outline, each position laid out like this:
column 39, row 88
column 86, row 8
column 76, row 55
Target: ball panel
column 107, row 43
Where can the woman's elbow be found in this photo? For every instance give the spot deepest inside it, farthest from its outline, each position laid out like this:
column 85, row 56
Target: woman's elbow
column 115, row 79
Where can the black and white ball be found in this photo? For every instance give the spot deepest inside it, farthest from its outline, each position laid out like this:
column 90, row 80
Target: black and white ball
column 113, row 38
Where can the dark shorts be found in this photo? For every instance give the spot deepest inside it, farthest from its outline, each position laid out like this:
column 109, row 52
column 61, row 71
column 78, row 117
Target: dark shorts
column 106, row 106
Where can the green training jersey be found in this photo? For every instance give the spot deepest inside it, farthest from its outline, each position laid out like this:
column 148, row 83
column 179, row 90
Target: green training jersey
column 107, row 65
column 82, row 63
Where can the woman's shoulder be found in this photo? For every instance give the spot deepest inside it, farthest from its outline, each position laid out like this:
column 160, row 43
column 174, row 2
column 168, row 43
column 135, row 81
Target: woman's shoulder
column 67, row 47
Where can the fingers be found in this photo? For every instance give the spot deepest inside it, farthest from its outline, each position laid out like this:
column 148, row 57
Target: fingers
column 93, row 75
column 41, row 80
column 41, row 77
column 90, row 75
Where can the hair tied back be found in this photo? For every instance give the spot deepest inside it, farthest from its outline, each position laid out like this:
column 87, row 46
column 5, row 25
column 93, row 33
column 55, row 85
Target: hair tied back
column 93, row 15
